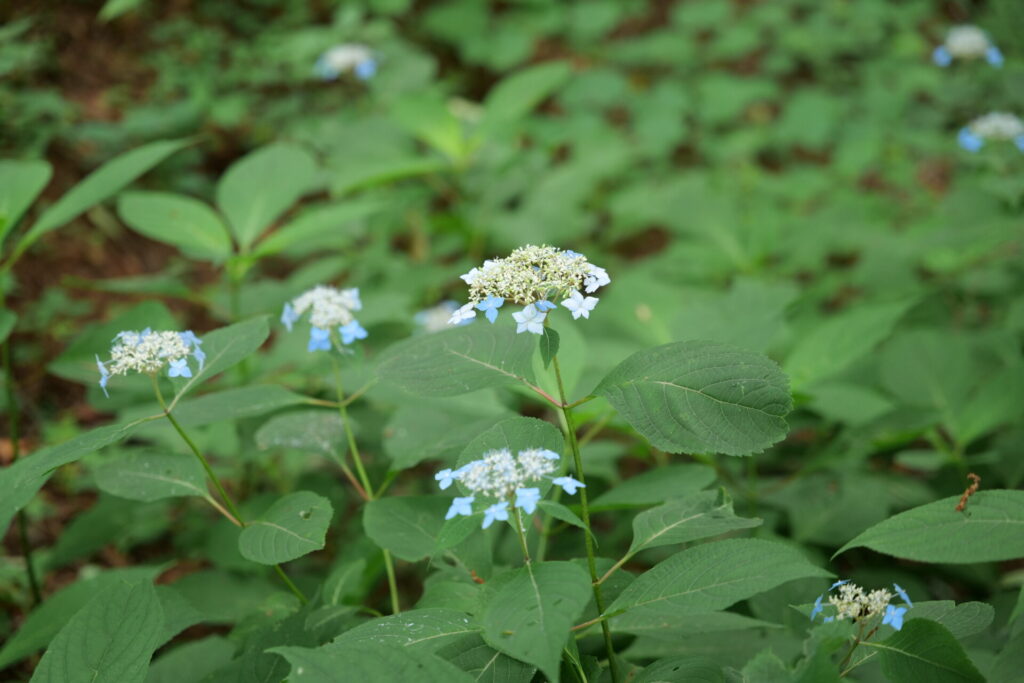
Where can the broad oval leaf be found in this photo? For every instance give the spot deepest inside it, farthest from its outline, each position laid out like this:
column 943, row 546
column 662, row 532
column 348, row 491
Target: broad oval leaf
column 152, row 476
column 701, row 397
column 713, row 576
column 368, row 662
column 487, row 665
column 110, row 641
column 316, row 226
column 261, row 186
column 460, row 360
column 46, row 620
column 683, row 520
column 318, row 431
column 990, row 529
column 425, row 630
column 530, row 610
column 925, row 651
column 226, row 346
column 102, row 183
column 180, row 221
column 657, row 486
column 513, row 97
column 294, row 526
column 408, row 526
column 235, row 404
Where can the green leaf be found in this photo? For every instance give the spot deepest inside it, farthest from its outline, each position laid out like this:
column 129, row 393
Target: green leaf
column 110, row 640
column 314, row 224
column 990, row 529
column 436, row 430
column 8, row 319
column 318, row 431
column 152, row 476
column 380, row 171
column 460, row 360
column 514, row 97
column 924, row 651
column 562, row 513
column 701, row 397
column 907, row 367
column 294, row 526
column 261, row 186
column 687, row 519
column 424, row 630
column 656, row 486
column 20, row 184
column 192, row 662
column 20, row 481
column 112, row 9
column 226, row 346
column 962, row 620
column 684, row 669
column 43, row 623
column 484, row 663
column 665, row 623
column 180, row 221
column 834, row 344
column 368, row 662
column 529, row 612
column 713, row 576
column 236, row 404
column 548, row 346
column 407, row 526
column 102, row 183
column 749, row 315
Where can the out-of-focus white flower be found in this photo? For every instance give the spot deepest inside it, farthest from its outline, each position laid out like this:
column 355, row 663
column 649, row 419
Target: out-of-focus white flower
column 997, row 126
column 967, row 42
column 330, row 308
column 344, row 58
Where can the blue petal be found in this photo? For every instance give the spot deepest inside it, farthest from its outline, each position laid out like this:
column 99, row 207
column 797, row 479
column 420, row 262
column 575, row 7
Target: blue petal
column 994, row 57
column 942, row 57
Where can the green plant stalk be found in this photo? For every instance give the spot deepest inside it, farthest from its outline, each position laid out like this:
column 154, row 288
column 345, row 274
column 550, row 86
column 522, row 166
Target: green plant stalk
column 14, row 433
column 357, row 459
column 521, row 533
column 216, row 483
column 570, row 434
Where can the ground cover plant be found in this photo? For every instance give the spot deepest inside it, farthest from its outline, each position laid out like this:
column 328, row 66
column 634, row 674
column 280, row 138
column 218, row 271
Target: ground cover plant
column 523, row 341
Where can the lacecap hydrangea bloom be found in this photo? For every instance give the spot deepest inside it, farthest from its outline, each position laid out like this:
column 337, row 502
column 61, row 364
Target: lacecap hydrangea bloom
column 854, row 603
column 342, row 58
column 148, row 352
column 534, row 278
column 331, row 308
column 997, row 126
column 967, row 42
column 502, row 479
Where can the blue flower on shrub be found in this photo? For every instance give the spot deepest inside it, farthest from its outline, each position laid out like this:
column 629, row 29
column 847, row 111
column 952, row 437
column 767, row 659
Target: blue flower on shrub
column 330, row 308
column 148, row 352
column 894, row 616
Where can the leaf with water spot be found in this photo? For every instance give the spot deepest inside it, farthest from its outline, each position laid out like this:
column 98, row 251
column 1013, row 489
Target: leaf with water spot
column 294, row 526
column 528, row 612
column 419, row 629
column 152, row 476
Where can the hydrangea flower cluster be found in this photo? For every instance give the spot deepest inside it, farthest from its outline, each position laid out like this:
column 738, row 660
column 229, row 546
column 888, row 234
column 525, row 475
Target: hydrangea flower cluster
column 348, row 57
column 501, row 476
column 531, row 277
column 853, row 602
column 967, row 42
column 994, row 126
column 330, row 308
column 148, row 352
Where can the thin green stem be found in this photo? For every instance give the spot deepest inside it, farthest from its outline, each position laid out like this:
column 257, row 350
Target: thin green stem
column 521, row 533
column 234, row 516
column 14, row 433
column 570, row 433
column 389, row 564
column 389, row 568
column 291, row 586
column 349, row 435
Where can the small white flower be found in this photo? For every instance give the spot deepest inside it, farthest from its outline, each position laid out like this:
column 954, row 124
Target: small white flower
column 149, row 352
column 596, row 278
column 967, row 41
column 530, row 320
column 463, row 314
column 580, row 306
